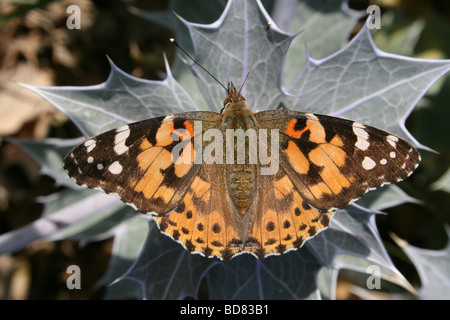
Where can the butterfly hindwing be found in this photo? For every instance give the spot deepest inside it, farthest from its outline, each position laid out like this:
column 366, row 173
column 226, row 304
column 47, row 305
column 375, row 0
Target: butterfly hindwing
column 284, row 220
column 203, row 220
column 333, row 161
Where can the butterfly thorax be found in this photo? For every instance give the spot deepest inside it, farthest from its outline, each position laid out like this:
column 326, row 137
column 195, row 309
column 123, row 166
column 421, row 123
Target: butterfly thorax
column 240, row 174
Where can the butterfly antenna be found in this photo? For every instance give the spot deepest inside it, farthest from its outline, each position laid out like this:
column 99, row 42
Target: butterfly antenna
column 187, row 54
column 256, row 55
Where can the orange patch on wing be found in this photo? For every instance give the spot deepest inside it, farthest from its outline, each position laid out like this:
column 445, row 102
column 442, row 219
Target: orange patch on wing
column 300, row 215
column 217, row 239
column 152, row 178
column 206, row 196
column 232, row 235
column 270, row 231
column 337, row 141
column 187, row 221
column 297, row 199
column 278, row 194
column 189, row 128
column 287, row 229
column 183, row 223
column 317, row 131
column 199, row 229
column 330, row 158
column 164, row 134
column 334, row 154
column 290, row 130
column 296, row 158
column 185, row 161
column 145, row 145
column 199, row 187
column 145, row 158
column 284, row 185
column 307, row 222
column 182, row 169
column 185, row 133
column 319, row 189
column 165, row 193
column 256, row 234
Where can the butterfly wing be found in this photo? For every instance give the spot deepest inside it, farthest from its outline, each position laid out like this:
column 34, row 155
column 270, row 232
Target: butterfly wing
column 203, row 221
column 138, row 161
column 284, row 220
column 333, row 161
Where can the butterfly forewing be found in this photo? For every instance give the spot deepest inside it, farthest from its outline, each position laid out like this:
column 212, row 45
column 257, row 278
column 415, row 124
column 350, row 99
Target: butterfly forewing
column 135, row 161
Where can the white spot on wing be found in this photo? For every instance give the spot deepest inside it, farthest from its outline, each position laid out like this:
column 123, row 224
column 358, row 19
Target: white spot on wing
column 90, row 145
column 115, row 167
column 392, row 140
column 100, row 166
column 123, row 128
column 90, row 159
column 383, row 162
column 362, row 143
column 312, row 116
column 122, row 133
column 168, row 118
column 368, row 163
column 392, row 154
column 358, row 125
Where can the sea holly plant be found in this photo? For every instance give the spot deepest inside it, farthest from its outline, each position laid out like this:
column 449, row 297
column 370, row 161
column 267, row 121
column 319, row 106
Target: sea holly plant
column 354, row 80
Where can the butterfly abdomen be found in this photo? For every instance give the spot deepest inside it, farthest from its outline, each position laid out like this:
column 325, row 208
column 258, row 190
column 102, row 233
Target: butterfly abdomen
column 241, row 180
column 239, row 128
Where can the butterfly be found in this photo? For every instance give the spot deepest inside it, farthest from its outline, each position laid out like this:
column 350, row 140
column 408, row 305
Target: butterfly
column 273, row 185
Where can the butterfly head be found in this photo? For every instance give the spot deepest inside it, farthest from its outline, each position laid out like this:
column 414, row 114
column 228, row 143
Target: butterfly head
column 233, row 96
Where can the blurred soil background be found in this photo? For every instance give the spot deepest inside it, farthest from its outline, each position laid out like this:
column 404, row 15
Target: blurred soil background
column 37, row 48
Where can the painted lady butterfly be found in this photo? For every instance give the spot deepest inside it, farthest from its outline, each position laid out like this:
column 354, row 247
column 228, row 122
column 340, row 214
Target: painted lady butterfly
column 261, row 201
